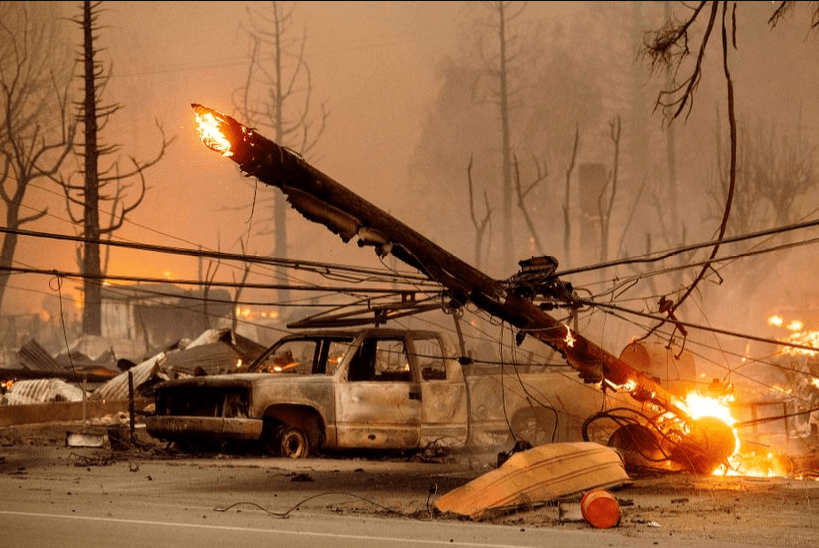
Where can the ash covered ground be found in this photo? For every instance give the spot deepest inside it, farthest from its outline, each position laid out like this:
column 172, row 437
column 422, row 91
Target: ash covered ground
column 782, row 511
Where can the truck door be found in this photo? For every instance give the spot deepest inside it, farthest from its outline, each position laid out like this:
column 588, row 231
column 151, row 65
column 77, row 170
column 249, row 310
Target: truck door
column 379, row 405
column 443, row 394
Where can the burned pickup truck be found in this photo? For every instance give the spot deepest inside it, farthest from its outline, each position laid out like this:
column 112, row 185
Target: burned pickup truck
column 372, row 389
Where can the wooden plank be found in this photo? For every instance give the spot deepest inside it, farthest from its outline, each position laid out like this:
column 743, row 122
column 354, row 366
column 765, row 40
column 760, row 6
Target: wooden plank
column 40, row 413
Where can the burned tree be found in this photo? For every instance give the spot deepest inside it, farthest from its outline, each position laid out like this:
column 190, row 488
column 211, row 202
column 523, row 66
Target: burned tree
column 521, row 193
column 107, row 185
column 278, row 95
column 775, row 169
column 36, row 128
column 482, row 225
column 567, row 217
column 550, row 102
column 500, row 67
column 605, row 200
column 667, row 49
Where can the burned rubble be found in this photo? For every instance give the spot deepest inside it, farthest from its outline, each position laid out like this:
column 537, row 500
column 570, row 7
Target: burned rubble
column 66, row 385
column 540, row 486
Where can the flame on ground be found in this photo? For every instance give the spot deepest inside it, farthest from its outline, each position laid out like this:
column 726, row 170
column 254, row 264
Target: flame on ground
column 700, row 406
column 745, row 461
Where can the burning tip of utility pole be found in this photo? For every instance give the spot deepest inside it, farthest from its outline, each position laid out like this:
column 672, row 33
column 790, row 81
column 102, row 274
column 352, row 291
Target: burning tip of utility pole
column 219, row 132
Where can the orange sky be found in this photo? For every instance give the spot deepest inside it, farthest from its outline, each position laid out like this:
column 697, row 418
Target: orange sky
column 373, row 63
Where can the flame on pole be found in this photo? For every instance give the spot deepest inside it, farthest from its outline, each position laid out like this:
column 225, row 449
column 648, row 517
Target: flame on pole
column 321, row 199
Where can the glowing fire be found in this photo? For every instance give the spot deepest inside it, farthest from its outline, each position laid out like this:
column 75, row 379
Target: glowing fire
column 569, row 340
column 700, row 406
column 207, row 125
column 251, row 314
column 797, row 335
column 742, row 462
column 280, row 368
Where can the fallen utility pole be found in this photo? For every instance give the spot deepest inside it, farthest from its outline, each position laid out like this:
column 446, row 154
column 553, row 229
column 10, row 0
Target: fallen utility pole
column 321, row 199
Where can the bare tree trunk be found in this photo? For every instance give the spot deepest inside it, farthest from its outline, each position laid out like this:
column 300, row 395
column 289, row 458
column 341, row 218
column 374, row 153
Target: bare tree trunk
column 99, row 185
column 92, row 315
column 542, row 174
column 7, row 251
column 34, row 115
column 480, row 226
column 567, row 221
column 608, row 195
column 278, row 95
column 507, row 240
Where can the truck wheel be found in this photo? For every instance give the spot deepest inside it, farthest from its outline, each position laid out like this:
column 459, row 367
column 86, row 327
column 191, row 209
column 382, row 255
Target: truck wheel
column 294, row 443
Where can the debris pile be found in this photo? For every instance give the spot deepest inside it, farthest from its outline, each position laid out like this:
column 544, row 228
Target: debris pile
column 41, row 388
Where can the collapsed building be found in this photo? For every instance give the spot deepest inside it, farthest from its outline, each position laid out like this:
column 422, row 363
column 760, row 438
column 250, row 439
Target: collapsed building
column 41, row 389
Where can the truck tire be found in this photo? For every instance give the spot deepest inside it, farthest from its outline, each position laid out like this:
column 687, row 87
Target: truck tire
column 294, row 443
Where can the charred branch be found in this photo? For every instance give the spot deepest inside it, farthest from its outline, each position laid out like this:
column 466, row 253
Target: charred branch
column 542, row 174
column 673, row 36
column 567, row 224
column 667, row 48
column 482, row 225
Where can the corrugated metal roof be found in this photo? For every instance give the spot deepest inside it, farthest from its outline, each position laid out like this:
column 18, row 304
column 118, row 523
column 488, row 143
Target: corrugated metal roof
column 42, row 391
column 212, row 358
column 215, row 351
column 210, row 336
column 35, row 358
column 117, row 388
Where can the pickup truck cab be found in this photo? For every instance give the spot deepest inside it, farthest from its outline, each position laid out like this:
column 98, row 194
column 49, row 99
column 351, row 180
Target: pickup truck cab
column 374, row 388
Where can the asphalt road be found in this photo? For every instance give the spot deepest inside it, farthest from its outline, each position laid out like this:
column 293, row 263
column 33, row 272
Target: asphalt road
column 55, row 496
column 189, row 528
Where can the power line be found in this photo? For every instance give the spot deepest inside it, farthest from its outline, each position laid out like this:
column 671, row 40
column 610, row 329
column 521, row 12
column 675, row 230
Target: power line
column 661, row 255
column 143, row 279
column 744, row 255
column 326, row 269
column 313, row 266
column 699, row 327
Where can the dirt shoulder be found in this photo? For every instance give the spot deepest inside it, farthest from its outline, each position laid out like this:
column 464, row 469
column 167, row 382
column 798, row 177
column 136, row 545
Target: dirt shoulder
column 779, row 512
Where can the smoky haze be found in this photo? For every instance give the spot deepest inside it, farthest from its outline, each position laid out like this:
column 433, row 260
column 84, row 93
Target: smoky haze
column 410, row 102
